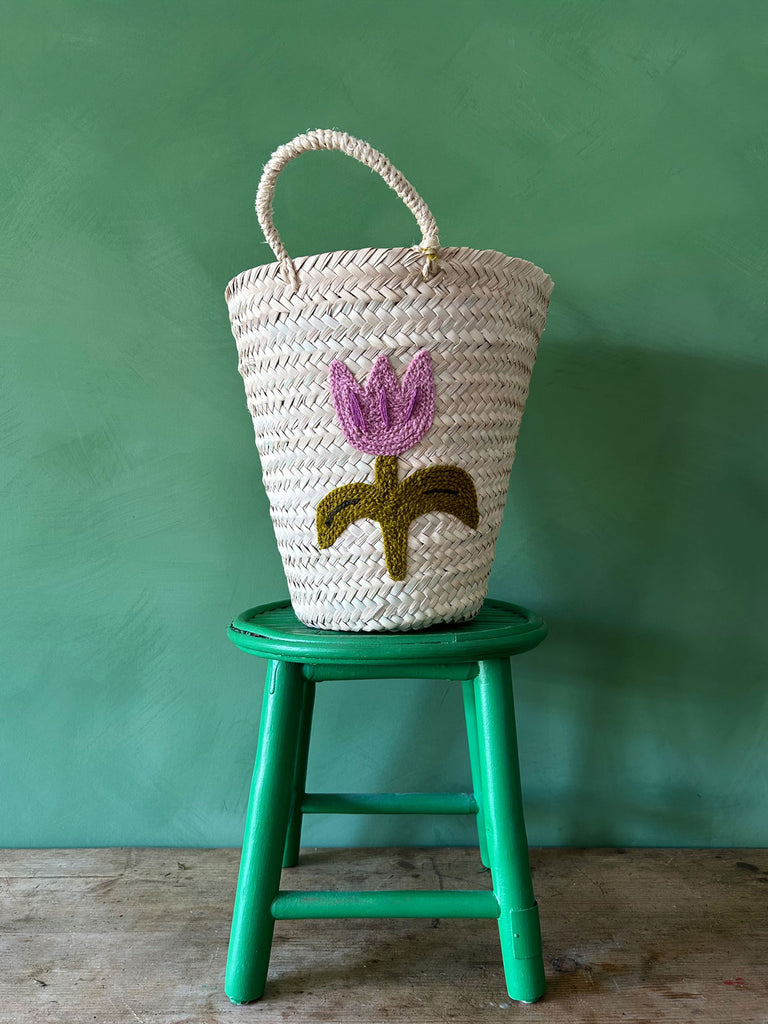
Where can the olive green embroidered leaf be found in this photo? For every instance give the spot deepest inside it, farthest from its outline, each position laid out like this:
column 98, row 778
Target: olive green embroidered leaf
column 434, row 489
column 439, row 489
column 342, row 507
column 395, row 506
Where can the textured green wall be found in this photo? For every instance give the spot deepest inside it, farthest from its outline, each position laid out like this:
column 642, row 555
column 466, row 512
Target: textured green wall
column 620, row 146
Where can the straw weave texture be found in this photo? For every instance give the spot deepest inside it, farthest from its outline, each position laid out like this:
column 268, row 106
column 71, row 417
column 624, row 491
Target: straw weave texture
column 480, row 317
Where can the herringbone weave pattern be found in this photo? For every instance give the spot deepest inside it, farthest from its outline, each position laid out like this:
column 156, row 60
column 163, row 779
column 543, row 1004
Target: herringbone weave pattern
column 480, row 315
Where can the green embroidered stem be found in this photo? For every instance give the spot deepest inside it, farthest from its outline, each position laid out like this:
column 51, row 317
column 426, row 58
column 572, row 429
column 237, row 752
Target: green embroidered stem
column 396, row 505
column 385, row 474
column 394, row 531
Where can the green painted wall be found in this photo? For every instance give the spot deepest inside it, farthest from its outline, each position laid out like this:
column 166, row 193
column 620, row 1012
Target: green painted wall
column 620, row 146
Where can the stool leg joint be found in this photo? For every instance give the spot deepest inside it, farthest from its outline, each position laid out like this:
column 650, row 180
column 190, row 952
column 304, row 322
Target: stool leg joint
column 526, row 932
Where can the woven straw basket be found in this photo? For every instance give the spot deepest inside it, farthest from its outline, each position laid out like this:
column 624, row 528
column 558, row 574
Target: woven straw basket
column 386, row 388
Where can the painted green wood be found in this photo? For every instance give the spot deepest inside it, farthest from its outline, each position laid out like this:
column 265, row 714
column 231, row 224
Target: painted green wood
column 500, row 628
column 290, row 906
column 278, row 800
column 389, row 803
column 293, row 839
column 505, row 832
column 470, row 718
column 265, row 833
column 393, row 670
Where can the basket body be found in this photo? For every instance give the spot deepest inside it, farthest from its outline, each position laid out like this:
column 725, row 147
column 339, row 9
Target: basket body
column 480, row 319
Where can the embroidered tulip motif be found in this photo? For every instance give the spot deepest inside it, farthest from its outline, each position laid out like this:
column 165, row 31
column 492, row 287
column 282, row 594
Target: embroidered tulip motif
column 386, row 418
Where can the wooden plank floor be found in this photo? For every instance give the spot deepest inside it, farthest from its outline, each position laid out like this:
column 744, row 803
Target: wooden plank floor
column 131, row 936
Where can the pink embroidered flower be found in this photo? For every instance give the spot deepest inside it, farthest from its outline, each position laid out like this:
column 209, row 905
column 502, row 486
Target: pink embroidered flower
column 384, row 417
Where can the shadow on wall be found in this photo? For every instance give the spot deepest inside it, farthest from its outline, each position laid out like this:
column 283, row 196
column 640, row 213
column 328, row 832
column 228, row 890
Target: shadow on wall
column 637, row 515
column 634, row 523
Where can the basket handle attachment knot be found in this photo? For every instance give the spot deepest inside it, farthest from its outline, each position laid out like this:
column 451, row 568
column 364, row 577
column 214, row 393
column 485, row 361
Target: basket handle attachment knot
column 328, row 139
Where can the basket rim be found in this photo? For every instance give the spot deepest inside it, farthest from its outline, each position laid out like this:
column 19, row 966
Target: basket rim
column 490, row 257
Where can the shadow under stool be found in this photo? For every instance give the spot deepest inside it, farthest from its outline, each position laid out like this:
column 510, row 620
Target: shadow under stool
column 476, row 653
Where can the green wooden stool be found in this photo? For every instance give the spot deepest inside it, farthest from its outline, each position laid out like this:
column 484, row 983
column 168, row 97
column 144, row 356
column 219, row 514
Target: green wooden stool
column 477, row 653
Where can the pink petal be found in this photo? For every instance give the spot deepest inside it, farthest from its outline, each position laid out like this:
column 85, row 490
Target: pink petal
column 419, row 373
column 382, row 377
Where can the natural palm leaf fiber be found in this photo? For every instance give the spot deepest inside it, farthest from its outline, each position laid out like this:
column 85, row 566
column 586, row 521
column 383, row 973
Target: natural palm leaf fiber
column 386, row 388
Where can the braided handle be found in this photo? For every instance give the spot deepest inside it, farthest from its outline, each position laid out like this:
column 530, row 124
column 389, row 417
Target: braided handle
column 328, row 139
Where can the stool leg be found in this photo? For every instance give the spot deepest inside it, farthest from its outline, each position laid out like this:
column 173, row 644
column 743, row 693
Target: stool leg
column 470, row 714
column 265, row 831
column 292, row 843
column 505, row 828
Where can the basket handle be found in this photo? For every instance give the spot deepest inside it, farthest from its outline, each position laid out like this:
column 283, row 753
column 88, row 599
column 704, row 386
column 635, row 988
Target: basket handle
column 328, row 139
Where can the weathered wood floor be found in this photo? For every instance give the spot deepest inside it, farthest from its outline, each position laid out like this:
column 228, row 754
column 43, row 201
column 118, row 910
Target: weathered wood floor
column 131, row 936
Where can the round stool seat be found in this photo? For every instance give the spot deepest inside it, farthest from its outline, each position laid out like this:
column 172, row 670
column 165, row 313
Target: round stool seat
column 498, row 630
